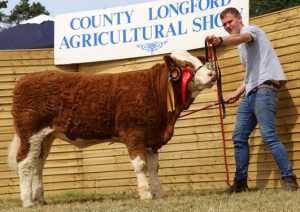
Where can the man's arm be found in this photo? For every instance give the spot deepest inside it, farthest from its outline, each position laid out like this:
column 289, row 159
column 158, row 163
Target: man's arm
column 234, row 96
column 233, row 39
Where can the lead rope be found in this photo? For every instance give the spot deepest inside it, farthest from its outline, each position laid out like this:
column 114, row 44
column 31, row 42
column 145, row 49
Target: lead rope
column 211, row 57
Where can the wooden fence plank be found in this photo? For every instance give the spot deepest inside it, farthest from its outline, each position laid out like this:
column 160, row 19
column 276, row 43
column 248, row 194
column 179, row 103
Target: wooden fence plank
column 193, row 159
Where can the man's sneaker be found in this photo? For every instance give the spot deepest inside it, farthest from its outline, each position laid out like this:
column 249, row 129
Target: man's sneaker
column 290, row 184
column 238, row 186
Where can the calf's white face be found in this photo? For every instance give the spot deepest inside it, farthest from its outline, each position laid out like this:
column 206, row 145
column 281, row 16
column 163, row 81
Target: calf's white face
column 204, row 77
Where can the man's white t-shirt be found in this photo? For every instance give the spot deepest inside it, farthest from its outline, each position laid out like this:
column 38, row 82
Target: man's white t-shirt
column 259, row 59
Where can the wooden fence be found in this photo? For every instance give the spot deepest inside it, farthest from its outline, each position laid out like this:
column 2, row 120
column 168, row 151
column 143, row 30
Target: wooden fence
column 194, row 158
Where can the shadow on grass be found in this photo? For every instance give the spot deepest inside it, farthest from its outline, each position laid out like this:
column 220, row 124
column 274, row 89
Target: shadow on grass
column 79, row 197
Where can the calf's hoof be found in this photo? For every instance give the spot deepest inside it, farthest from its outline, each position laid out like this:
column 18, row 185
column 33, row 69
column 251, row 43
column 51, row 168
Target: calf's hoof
column 40, row 202
column 145, row 196
column 27, row 204
column 158, row 194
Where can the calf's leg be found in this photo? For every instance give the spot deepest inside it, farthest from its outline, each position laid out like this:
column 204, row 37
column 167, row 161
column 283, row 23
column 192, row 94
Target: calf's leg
column 37, row 180
column 138, row 160
column 140, row 168
column 25, row 175
column 153, row 165
column 27, row 166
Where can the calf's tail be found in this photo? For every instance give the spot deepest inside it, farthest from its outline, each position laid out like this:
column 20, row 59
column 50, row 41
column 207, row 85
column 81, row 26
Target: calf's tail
column 12, row 152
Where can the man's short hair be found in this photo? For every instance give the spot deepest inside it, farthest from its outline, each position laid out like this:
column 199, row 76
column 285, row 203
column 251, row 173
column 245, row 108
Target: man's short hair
column 231, row 10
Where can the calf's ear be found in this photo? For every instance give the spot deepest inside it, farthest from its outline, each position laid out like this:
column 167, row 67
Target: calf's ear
column 170, row 62
column 202, row 59
column 173, row 69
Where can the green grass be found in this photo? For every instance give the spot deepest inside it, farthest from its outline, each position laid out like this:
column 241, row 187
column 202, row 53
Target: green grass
column 261, row 200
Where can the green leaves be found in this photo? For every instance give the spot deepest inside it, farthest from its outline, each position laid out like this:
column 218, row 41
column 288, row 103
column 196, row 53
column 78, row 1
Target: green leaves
column 3, row 5
column 25, row 11
column 259, row 7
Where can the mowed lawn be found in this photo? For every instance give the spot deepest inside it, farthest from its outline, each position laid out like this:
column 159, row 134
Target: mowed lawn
column 208, row 201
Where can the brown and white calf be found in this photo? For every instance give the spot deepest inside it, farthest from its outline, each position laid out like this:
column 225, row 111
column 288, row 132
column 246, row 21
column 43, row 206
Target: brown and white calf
column 87, row 109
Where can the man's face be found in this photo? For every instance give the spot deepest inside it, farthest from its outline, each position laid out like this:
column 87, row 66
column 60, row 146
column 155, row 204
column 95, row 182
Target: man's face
column 232, row 24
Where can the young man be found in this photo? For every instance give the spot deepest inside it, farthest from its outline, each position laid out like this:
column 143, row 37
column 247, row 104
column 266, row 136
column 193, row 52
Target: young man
column 264, row 76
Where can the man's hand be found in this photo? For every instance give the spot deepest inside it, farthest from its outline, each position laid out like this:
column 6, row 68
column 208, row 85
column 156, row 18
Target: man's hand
column 231, row 99
column 235, row 95
column 214, row 40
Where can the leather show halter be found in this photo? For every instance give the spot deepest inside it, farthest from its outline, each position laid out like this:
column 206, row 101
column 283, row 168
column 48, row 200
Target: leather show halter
column 211, row 58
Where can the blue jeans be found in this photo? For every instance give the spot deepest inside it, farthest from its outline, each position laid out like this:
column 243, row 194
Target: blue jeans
column 258, row 107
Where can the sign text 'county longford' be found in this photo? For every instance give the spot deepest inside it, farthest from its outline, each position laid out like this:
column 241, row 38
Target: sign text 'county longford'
column 139, row 30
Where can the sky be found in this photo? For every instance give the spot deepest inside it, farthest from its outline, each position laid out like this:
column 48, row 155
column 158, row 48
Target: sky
column 56, row 7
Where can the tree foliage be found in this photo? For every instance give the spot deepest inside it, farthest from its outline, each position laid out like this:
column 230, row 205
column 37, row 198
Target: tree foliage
column 3, row 5
column 25, row 11
column 259, row 7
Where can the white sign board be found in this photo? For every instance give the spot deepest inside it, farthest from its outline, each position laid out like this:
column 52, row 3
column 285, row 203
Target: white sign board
column 139, row 30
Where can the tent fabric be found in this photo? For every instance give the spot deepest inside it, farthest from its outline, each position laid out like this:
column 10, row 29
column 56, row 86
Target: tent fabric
column 28, row 36
column 38, row 19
